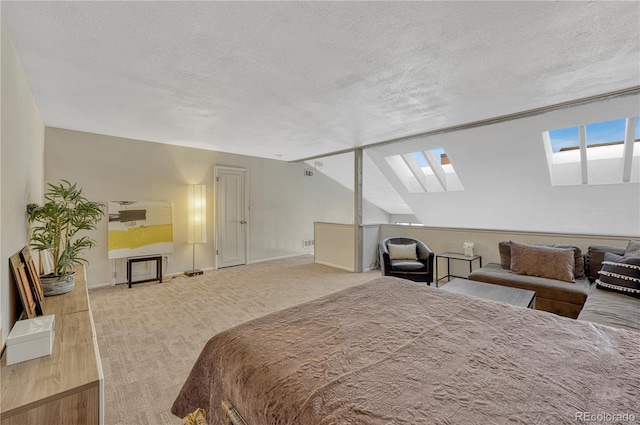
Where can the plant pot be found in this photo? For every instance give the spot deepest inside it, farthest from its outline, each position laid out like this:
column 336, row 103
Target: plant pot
column 56, row 285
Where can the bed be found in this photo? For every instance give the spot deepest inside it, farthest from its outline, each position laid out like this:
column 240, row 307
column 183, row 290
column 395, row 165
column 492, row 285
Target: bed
column 392, row 351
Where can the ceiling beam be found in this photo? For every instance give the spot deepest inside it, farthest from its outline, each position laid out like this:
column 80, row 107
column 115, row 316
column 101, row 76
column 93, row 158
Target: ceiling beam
column 627, row 156
column 489, row 121
column 582, row 135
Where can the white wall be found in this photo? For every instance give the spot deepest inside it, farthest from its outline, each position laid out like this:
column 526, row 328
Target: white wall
column 335, row 245
column 283, row 203
column 375, row 187
column 21, row 175
column 370, row 239
column 504, row 171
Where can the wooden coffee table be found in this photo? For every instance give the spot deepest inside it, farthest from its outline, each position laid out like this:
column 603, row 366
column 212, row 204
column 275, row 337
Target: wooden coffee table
column 506, row 294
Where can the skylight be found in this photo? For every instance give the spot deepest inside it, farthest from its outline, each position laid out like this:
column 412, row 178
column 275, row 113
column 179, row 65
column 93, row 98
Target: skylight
column 597, row 134
column 597, row 153
column 425, row 171
column 564, row 138
column 420, row 159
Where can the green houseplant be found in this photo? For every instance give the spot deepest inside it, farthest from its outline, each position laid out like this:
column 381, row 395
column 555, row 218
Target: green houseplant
column 54, row 229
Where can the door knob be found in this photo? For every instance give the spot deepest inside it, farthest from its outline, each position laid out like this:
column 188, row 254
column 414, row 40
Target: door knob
column 243, row 222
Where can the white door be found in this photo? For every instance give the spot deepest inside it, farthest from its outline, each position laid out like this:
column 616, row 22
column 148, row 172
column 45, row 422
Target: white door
column 231, row 221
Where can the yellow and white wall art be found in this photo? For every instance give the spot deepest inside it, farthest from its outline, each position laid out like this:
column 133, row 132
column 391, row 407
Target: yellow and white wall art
column 138, row 228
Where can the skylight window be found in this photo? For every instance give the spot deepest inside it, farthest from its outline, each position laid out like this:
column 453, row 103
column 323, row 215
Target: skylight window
column 420, row 159
column 425, row 171
column 597, row 153
column 564, row 139
column 597, row 134
column 606, row 132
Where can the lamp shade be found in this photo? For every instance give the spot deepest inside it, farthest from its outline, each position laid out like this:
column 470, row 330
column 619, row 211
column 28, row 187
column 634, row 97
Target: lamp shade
column 197, row 214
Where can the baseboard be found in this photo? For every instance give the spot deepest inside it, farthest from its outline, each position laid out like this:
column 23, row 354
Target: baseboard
column 170, row 276
column 165, row 279
column 282, row 257
column 99, row 285
column 335, row 266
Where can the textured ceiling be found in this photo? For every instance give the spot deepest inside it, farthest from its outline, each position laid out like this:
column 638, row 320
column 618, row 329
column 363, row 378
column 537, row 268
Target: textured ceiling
column 288, row 80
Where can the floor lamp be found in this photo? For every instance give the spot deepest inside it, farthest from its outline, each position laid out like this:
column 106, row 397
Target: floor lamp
column 196, row 221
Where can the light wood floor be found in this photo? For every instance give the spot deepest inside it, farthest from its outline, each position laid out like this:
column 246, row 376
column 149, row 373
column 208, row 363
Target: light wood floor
column 150, row 335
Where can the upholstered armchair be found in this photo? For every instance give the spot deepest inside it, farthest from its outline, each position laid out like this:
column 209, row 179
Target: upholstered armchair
column 407, row 258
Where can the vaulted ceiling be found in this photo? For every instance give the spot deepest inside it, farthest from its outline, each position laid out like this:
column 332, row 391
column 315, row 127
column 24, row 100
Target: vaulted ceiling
column 291, row 80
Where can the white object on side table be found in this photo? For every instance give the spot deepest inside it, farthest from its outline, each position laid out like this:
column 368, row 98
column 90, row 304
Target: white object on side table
column 468, row 249
column 31, row 338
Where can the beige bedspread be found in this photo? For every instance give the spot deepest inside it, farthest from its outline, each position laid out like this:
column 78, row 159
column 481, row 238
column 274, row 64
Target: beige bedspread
column 395, row 352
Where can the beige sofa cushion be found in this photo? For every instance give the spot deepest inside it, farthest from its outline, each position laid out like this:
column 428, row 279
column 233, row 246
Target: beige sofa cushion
column 613, row 309
column 402, row 252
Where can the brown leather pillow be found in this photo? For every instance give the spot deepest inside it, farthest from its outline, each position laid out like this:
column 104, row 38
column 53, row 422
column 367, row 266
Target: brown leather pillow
column 543, row 261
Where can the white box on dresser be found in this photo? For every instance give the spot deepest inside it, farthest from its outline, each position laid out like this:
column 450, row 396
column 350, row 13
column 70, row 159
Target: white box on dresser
column 31, row 338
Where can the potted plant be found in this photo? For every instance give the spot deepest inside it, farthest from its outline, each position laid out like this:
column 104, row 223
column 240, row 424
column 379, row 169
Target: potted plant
column 54, row 229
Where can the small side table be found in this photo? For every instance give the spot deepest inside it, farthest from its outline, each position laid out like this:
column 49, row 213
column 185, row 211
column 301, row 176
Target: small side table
column 455, row 256
column 156, row 258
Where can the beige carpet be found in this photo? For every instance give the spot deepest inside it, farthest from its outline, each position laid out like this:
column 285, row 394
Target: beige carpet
column 150, row 335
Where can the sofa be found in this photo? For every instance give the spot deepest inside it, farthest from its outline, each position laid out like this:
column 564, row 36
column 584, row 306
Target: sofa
column 604, row 306
column 553, row 295
column 578, row 297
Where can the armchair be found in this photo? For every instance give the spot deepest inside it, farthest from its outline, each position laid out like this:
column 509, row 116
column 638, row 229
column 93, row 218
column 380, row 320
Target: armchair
column 401, row 261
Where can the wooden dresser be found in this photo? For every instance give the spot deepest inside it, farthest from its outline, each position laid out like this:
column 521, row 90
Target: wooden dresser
column 66, row 387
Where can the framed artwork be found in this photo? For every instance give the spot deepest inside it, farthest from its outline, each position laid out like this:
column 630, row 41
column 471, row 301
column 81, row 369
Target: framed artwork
column 32, row 274
column 140, row 228
column 30, row 301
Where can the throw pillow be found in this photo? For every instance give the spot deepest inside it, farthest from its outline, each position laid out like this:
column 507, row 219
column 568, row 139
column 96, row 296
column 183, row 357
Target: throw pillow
column 402, row 252
column 595, row 257
column 578, row 258
column 620, row 274
column 504, row 248
column 633, row 249
column 543, row 261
